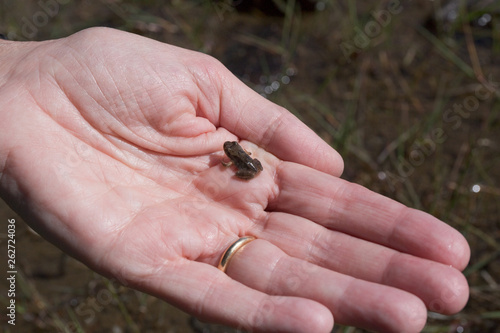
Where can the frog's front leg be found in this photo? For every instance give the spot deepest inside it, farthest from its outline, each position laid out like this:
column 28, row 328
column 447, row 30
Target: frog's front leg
column 245, row 174
column 227, row 164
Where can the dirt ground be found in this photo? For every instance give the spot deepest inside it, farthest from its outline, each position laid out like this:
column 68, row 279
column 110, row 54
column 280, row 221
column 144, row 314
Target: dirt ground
column 375, row 79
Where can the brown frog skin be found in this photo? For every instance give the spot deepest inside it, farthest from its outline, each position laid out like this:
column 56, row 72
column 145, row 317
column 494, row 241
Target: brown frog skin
column 247, row 167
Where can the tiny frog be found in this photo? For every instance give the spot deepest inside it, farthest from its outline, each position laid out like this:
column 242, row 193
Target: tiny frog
column 247, row 167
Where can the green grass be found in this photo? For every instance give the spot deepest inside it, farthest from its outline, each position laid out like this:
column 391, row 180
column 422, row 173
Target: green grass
column 376, row 107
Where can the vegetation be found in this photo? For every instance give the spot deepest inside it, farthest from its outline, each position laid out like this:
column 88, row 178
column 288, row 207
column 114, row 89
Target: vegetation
column 407, row 91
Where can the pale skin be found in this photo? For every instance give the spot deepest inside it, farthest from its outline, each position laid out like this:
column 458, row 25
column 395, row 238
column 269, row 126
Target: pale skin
column 111, row 148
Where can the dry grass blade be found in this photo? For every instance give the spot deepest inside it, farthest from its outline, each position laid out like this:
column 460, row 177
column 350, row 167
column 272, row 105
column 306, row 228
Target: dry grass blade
column 446, row 52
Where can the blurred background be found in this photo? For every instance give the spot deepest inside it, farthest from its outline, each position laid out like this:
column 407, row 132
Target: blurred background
column 407, row 91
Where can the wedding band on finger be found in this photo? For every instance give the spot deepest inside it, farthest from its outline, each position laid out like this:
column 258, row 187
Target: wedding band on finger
column 231, row 250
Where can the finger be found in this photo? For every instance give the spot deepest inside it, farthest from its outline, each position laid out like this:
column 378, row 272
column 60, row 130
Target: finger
column 357, row 211
column 442, row 288
column 252, row 117
column 209, row 294
column 265, row 267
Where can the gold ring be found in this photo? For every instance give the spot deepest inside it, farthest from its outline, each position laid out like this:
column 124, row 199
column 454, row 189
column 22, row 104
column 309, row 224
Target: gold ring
column 226, row 257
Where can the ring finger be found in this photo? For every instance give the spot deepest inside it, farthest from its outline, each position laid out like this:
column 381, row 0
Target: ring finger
column 263, row 266
column 442, row 288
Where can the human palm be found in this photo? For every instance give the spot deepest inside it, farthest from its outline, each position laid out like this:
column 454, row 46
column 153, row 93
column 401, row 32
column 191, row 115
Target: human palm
column 116, row 158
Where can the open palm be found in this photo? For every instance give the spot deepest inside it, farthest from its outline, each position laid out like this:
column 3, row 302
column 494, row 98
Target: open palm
column 112, row 148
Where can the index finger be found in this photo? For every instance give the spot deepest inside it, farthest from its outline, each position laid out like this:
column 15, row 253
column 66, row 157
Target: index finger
column 252, row 117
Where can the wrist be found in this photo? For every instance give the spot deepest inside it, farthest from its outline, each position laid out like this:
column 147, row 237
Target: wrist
column 6, row 47
column 10, row 53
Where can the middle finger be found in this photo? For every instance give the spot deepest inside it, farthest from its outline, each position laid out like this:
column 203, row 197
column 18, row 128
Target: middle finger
column 352, row 209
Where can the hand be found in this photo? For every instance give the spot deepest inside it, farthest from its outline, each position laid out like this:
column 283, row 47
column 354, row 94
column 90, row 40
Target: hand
column 111, row 145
